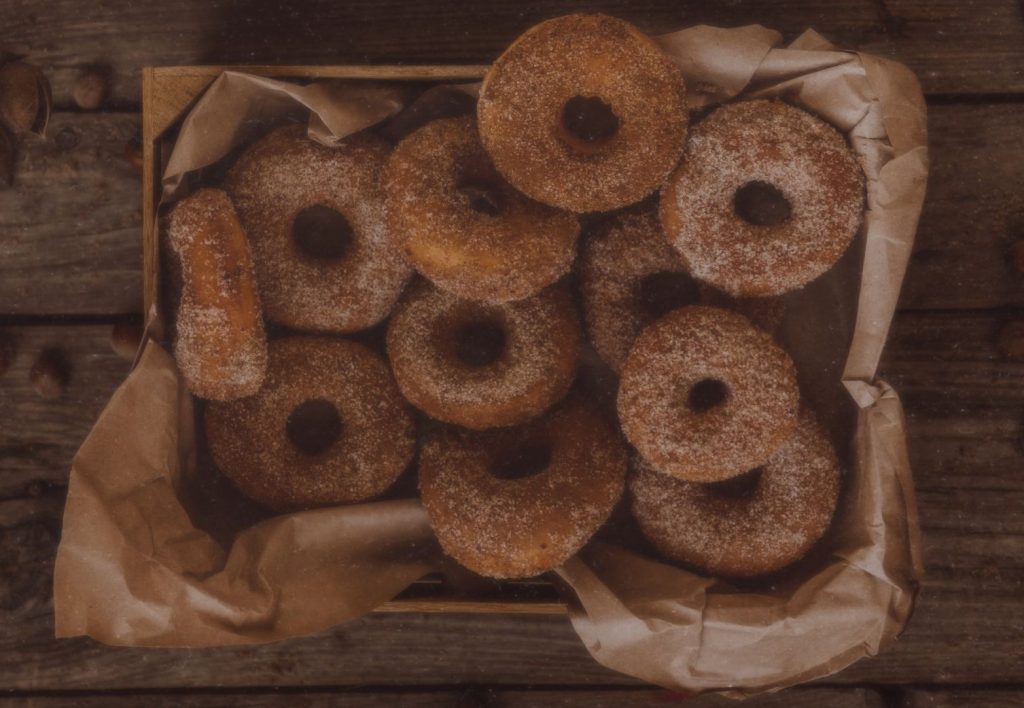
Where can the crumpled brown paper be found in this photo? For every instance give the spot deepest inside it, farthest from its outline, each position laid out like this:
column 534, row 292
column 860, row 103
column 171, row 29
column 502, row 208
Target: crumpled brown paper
column 133, row 569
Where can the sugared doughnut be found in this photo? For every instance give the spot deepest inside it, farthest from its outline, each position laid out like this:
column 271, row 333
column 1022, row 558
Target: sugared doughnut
column 328, row 427
column 705, row 395
column 746, row 526
column 766, row 312
column 515, row 502
column 316, row 217
column 766, row 199
column 584, row 112
column 219, row 343
column 482, row 365
column 464, row 227
column 629, row 277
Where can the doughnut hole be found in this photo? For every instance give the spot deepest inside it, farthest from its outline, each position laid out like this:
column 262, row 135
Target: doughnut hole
column 479, row 343
column 707, row 394
column 481, row 197
column 742, row 486
column 762, row 204
column 662, row 292
column 314, row 426
column 523, row 461
column 588, row 123
column 321, row 233
column 479, row 185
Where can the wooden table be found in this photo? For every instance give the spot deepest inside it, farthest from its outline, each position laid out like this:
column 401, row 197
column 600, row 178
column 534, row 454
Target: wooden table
column 70, row 266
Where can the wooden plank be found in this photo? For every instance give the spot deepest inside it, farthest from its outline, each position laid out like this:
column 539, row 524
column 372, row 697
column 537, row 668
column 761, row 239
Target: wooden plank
column 973, row 211
column 361, row 699
column 955, row 47
column 949, row 363
column 38, row 437
column 631, row 698
column 74, row 217
column 474, row 697
column 965, row 448
column 959, row 698
column 69, row 228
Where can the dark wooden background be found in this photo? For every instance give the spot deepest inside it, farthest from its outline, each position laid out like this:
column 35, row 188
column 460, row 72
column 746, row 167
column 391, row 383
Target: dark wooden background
column 70, row 267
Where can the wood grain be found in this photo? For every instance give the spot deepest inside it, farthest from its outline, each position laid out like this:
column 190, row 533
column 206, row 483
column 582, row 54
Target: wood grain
column 954, row 47
column 471, row 697
column 38, row 437
column 70, row 229
column 70, row 238
column 987, row 697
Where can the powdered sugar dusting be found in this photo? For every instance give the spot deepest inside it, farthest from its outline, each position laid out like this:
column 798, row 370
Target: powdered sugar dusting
column 543, row 341
column 277, row 178
column 788, row 511
column 763, row 141
column 525, row 92
column 248, row 437
column 220, row 344
column 510, row 255
column 522, row 527
column 685, row 347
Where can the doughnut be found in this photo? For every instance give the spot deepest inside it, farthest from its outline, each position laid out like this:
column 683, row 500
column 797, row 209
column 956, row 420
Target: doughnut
column 516, row 502
column 751, row 525
column 464, row 227
column 629, row 276
column 705, row 395
column 584, row 112
column 483, row 365
column 766, row 312
column 316, row 217
column 328, row 427
column 766, row 199
column 219, row 342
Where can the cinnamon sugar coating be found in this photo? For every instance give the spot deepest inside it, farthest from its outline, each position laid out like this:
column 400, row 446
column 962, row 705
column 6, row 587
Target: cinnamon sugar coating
column 615, row 264
column 273, row 183
column 220, row 344
column 750, row 410
column 460, row 224
column 630, row 276
column 250, row 443
column 519, row 527
column 787, row 511
column 772, row 143
column 533, row 363
column 523, row 124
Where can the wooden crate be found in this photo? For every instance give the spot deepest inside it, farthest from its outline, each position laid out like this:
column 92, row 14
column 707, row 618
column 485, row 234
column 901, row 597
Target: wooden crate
column 167, row 94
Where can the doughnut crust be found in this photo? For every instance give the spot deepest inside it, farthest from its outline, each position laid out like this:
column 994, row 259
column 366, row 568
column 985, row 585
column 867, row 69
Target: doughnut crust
column 519, row 527
column 697, row 349
column 464, row 227
column 249, row 442
column 787, row 511
column 273, row 184
column 616, row 266
column 792, row 151
column 220, row 344
column 521, row 112
column 539, row 342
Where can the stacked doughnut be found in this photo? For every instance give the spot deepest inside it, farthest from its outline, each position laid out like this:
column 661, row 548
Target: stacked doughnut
column 460, row 243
